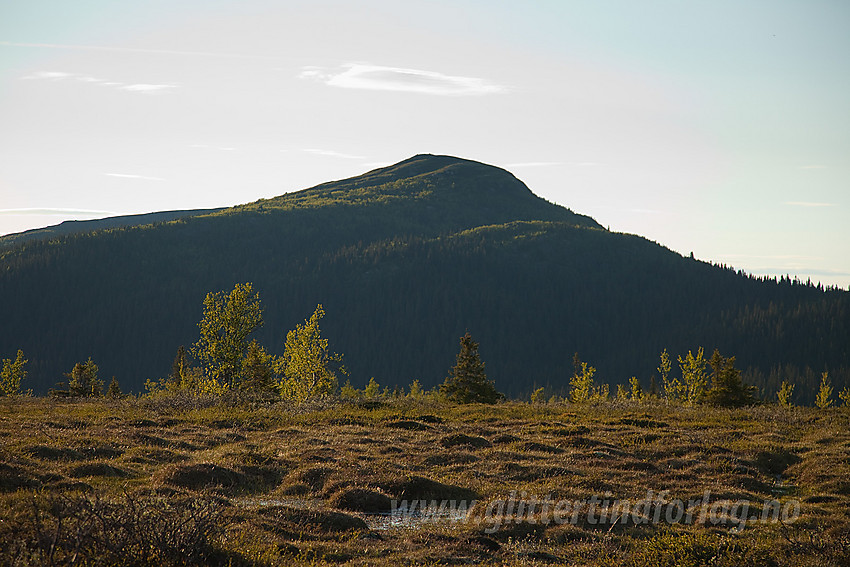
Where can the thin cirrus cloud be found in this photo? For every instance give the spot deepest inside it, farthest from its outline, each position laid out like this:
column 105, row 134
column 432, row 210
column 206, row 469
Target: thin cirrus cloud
column 56, row 76
column 380, row 78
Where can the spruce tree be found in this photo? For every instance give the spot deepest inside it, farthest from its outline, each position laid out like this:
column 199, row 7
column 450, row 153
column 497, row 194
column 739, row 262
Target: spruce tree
column 83, row 381
column 114, row 390
column 257, row 375
column 727, row 387
column 467, row 382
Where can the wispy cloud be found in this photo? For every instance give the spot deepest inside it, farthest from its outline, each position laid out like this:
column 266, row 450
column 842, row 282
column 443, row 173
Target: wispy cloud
column 54, row 212
column 132, row 176
column 808, row 204
column 49, row 75
column 377, row 77
column 55, row 76
column 331, row 153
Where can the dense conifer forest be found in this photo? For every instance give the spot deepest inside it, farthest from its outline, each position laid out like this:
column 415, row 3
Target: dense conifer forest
column 405, row 259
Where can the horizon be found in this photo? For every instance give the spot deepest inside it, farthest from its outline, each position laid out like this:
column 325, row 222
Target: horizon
column 717, row 130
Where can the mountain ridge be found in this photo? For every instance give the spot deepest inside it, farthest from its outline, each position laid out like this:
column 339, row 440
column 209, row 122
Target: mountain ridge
column 77, row 226
column 405, row 259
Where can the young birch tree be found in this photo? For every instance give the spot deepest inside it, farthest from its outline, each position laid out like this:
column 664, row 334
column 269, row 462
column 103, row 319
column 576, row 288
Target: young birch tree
column 307, row 366
column 227, row 324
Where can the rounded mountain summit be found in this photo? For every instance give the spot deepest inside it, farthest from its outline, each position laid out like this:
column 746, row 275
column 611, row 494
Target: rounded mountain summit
column 438, row 189
column 405, row 259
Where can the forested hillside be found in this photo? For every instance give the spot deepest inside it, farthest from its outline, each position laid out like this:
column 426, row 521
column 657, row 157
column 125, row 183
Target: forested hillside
column 405, row 259
column 77, row 226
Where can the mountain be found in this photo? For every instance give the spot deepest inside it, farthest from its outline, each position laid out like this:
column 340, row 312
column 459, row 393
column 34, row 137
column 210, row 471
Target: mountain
column 77, row 226
column 405, row 259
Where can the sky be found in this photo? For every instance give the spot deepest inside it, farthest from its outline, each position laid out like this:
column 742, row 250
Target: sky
column 720, row 128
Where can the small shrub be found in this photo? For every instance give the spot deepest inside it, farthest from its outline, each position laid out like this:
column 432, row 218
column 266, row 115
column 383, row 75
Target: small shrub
column 537, row 396
column 844, row 396
column 824, row 398
column 581, row 384
column 786, row 391
column 637, row 390
column 132, row 530
column 372, row 389
column 12, row 374
column 83, row 381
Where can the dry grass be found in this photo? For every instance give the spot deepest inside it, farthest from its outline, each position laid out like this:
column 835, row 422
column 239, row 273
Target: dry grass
column 286, row 485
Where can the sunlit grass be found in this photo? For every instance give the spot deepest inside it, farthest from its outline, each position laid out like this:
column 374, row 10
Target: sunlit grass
column 253, row 457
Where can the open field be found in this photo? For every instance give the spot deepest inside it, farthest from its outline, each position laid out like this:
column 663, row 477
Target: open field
column 188, row 480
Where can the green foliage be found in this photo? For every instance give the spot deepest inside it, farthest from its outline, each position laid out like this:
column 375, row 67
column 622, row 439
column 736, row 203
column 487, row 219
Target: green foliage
column 844, row 396
column 349, row 392
column 694, row 377
column 416, row 390
column 414, row 235
column 227, row 324
column 698, row 549
column 114, row 390
column 727, row 387
column 372, row 389
column 824, row 397
column 785, row 393
column 581, row 384
column 83, row 381
column 467, row 381
column 307, row 366
column 133, row 529
column 179, row 367
column 538, row 396
column 12, row 374
column 637, row 390
column 674, row 390
column 257, row 370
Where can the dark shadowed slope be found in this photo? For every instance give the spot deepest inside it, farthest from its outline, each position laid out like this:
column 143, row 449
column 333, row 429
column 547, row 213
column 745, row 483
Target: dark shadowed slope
column 77, row 226
column 405, row 259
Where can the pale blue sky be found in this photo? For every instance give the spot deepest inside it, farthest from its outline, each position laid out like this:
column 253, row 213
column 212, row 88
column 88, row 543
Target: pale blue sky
column 721, row 127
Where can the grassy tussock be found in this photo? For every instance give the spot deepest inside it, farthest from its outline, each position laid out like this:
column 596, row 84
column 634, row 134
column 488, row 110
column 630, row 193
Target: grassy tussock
column 174, row 481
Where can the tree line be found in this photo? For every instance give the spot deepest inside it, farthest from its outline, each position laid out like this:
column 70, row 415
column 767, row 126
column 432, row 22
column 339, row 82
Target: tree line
column 228, row 358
